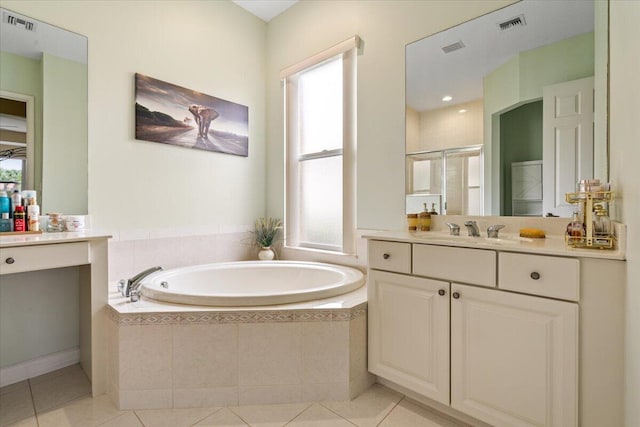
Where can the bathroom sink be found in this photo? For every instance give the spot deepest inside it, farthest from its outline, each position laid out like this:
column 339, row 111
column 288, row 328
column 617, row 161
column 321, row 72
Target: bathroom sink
column 445, row 237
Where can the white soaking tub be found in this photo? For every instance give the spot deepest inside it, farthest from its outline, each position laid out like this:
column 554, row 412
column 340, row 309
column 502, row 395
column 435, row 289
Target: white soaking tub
column 251, row 283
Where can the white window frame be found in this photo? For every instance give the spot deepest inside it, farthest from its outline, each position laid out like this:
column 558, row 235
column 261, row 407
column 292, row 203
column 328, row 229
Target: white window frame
column 348, row 51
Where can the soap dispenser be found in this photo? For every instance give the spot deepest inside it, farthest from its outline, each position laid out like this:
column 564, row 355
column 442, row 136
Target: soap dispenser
column 433, row 210
column 424, row 219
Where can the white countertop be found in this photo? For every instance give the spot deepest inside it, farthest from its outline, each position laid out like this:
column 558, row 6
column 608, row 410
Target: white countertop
column 551, row 245
column 50, row 238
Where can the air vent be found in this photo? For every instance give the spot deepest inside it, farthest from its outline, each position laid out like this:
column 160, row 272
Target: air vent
column 453, row 47
column 19, row 22
column 512, row 23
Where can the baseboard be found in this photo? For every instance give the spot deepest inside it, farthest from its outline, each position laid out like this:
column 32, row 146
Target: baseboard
column 41, row 365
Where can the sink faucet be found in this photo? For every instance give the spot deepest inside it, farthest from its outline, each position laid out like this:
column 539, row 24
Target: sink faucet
column 472, row 228
column 454, row 229
column 492, row 231
column 134, row 283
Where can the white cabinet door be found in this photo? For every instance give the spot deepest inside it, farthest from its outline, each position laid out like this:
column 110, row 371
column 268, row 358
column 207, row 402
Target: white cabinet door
column 409, row 332
column 514, row 358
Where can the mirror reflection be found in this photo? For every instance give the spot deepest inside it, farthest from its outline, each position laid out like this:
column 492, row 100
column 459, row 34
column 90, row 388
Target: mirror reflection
column 43, row 112
column 505, row 113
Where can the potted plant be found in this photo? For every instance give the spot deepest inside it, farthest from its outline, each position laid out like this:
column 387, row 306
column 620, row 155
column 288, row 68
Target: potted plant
column 267, row 233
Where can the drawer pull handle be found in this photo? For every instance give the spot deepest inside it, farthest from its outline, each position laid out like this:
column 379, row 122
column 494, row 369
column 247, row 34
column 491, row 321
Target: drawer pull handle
column 455, row 295
column 535, row 275
column 10, row 260
column 441, row 292
column 386, row 256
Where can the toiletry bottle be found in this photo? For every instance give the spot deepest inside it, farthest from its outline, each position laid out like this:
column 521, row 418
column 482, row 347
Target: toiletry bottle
column 16, row 200
column 6, row 224
column 5, row 202
column 576, row 227
column 433, row 210
column 601, row 222
column 19, row 223
column 33, row 215
column 412, row 222
column 424, row 219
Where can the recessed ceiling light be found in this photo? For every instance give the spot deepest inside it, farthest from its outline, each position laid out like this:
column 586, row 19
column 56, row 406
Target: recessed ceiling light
column 447, row 98
column 462, row 111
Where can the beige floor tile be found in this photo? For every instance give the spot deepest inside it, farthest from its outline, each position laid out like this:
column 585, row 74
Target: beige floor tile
column 222, row 418
column 409, row 414
column 369, row 408
column 58, row 388
column 15, row 405
column 318, row 416
column 269, row 415
column 28, row 422
column 85, row 412
column 173, row 417
column 127, row 420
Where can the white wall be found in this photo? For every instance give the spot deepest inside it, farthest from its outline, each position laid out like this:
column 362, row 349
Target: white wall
column 624, row 107
column 385, row 27
column 214, row 47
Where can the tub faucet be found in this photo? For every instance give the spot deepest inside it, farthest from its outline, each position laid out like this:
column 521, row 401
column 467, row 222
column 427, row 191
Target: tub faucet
column 134, row 283
column 472, row 228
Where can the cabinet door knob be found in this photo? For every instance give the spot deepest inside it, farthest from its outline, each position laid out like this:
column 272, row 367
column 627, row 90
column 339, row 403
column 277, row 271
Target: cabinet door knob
column 455, row 295
column 10, row 260
column 535, row 275
column 386, row 256
column 441, row 292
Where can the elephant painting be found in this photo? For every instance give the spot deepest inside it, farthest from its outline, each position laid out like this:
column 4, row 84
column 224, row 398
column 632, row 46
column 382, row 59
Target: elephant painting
column 204, row 116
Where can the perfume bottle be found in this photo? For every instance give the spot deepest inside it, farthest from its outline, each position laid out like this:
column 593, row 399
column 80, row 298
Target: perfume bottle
column 601, row 222
column 576, row 227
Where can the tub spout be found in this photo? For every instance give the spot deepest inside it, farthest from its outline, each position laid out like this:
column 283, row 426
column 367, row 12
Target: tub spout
column 134, row 283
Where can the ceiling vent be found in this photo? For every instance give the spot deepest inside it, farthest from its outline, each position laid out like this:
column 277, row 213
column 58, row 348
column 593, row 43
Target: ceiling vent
column 453, row 47
column 512, row 23
column 19, row 22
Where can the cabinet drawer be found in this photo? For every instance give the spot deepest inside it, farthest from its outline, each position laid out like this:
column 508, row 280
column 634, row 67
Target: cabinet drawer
column 390, row 256
column 474, row 266
column 540, row 275
column 42, row 257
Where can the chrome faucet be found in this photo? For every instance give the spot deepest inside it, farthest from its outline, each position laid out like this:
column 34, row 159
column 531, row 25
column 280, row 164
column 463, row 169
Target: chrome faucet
column 472, row 228
column 492, row 231
column 454, row 229
column 130, row 288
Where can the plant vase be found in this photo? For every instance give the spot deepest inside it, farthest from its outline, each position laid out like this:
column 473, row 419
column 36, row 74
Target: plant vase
column 266, row 253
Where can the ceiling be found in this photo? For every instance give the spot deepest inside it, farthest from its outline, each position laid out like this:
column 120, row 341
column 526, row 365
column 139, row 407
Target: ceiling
column 265, row 9
column 432, row 74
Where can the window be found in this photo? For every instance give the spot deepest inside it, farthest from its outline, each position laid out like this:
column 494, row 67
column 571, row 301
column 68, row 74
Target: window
column 320, row 154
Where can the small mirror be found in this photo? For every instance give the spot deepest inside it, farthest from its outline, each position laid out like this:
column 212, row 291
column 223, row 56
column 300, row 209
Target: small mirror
column 43, row 112
column 500, row 110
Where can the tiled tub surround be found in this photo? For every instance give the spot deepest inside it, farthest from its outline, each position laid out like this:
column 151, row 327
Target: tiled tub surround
column 175, row 356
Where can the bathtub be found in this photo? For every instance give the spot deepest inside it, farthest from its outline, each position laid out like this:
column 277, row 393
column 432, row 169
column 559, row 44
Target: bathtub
column 251, row 283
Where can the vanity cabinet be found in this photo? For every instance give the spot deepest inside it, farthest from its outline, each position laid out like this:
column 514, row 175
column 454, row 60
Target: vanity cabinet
column 506, row 358
column 409, row 332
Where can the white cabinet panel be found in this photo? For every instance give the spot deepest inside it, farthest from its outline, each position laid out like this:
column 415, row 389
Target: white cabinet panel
column 41, row 257
column 390, row 256
column 513, row 358
column 409, row 332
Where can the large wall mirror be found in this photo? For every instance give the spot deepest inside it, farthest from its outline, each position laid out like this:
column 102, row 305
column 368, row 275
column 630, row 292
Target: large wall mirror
column 43, row 112
column 505, row 113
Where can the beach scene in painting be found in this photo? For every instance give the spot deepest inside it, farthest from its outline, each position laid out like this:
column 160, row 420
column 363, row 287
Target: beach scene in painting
column 175, row 115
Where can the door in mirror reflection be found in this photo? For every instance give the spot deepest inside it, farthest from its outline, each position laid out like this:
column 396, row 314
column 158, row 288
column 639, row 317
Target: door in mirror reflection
column 462, row 185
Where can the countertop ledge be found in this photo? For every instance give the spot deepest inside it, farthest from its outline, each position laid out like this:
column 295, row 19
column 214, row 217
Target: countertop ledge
column 551, row 245
column 51, row 238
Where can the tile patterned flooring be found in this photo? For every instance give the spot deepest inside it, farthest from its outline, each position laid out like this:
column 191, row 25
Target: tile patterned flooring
column 62, row 399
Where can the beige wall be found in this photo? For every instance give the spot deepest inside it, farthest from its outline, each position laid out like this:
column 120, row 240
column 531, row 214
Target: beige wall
column 214, row 47
column 448, row 128
column 385, row 27
column 625, row 158
column 412, row 130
